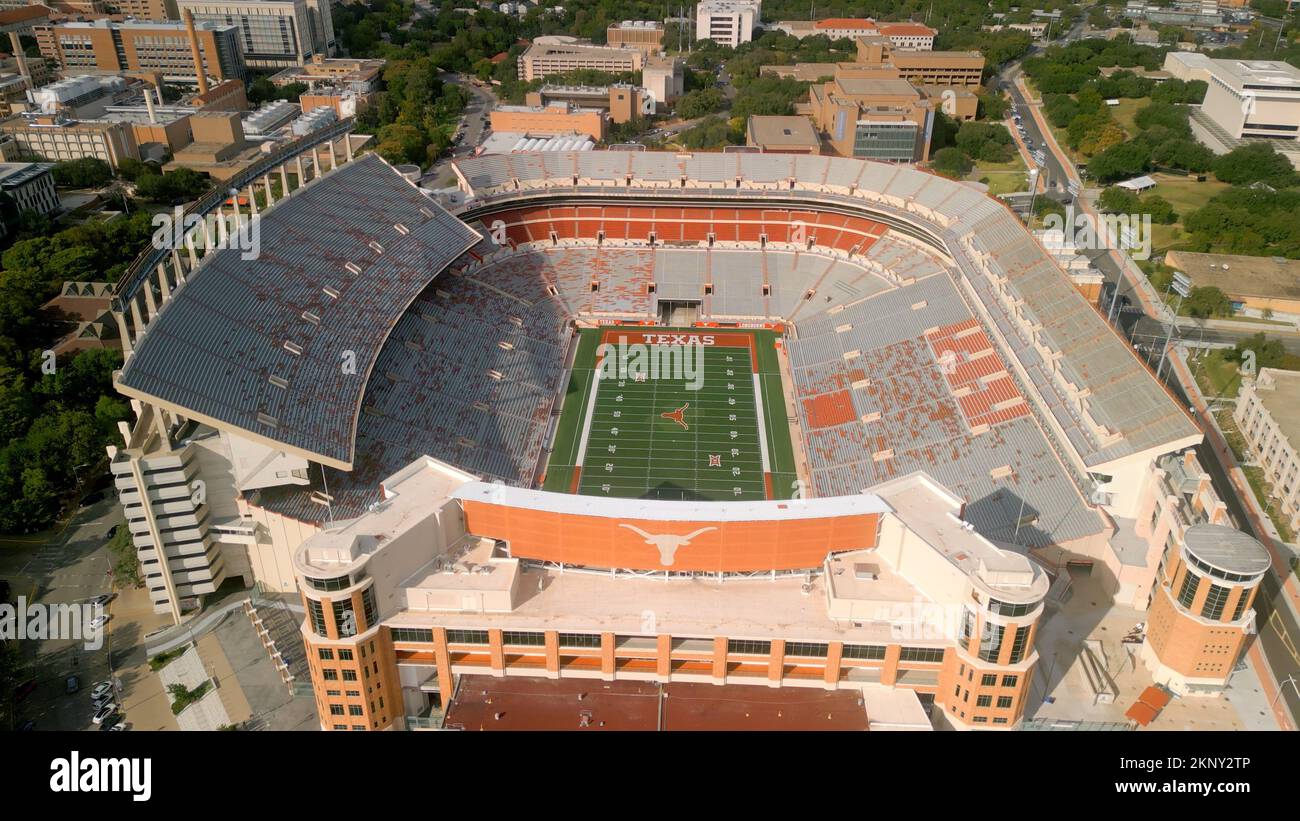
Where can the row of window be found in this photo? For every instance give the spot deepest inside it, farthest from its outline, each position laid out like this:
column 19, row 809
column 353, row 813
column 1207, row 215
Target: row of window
column 802, row 649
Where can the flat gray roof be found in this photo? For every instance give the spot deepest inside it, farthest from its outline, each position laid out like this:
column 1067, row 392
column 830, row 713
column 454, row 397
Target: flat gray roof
column 1227, row 548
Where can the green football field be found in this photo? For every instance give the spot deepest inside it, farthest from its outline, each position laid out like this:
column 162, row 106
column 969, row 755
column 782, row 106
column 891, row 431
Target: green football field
column 624, row 438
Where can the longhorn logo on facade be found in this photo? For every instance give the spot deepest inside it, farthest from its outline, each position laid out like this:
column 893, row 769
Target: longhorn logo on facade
column 667, row 543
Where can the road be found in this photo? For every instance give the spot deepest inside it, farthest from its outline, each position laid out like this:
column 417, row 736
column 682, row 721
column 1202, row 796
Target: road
column 68, row 568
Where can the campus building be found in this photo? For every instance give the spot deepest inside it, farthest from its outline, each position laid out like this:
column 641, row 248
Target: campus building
column 274, row 34
column 782, row 135
column 879, row 119
column 551, row 119
column 623, row 102
column 56, row 138
column 727, row 22
column 1268, row 416
column 543, row 59
column 664, row 78
column 164, row 48
column 30, row 186
column 902, row 35
column 646, row 35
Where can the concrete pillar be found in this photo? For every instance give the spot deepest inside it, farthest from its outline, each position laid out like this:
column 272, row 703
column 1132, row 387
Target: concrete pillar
column 776, row 663
column 315, row 163
column 719, row 659
column 270, row 192
column 122, row 332
column 347, row 147
column 607, row 656
column 284, row 181
column 151, row 306
column 302, row 180
column 552, row 654
column 889, row 672
column 252, row 201
column 137, row 321
column 442, row 661
column 193, row 257
column 833, row 655
column 163, row 284
column 664, row 658
column 496, row 653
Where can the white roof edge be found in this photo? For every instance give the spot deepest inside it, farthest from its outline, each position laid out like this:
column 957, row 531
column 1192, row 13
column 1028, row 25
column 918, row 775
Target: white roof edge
column 669, row 511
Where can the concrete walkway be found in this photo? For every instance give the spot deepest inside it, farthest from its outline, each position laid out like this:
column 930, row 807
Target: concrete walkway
column 186, row 632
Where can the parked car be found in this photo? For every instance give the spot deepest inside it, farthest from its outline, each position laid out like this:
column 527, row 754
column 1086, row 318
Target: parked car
column 27, row 727
column 101, row 690
column 112, row 722
column 99, row 621
column 102, row 599
column 103, row 713
column 74, row 684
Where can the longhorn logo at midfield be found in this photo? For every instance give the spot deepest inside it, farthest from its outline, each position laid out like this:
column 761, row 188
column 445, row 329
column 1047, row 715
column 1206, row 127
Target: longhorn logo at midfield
column 678, row 416
column 667, row 543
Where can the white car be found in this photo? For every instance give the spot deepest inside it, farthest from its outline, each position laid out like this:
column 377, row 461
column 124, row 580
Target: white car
column 99, row 621
column 103, row 713
column 101, row 691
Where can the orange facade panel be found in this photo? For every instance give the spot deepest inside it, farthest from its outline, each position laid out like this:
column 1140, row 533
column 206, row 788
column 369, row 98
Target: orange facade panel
column 643, row 544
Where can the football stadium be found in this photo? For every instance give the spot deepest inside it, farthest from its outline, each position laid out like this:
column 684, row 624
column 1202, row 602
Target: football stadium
column 724, row 419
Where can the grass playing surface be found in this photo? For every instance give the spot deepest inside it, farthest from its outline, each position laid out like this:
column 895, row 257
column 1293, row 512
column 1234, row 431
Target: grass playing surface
column 627, row 448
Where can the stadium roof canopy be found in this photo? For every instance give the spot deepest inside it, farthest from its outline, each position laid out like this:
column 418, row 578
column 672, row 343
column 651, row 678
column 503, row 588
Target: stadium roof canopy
column 280, row 346
column 1105, row 401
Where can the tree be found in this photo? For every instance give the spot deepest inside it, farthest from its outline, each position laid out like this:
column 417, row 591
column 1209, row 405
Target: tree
column 1120, row 162
column 87, row 172
column 1207, row 301
column 1269, row 353
column 695, row 104
column 1255, row 162
column 181, row 184
column 951, row 162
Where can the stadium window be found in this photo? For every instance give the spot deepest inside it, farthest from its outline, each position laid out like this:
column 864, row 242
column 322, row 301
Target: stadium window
column 981, row 719
column 708, row 289
column 749, row 647
column 326, row 654
column 1241, row 604
column 467, row 637
column 329, row 675
column 1188, row 591
column 1010, row 681
column 595, row 285
column 587, row 640
column 1019, row 644
column 927, row 655
column 355, row 710
column 988, row 680
column 519, row 638
column 336, row 709
column 870, row 652
column 1215, row 600
column 653, row 237
column 1004, row 702
column 805, row 649
column 983, row 701
column 999, row 721
column 991, row 642
column 345, row 654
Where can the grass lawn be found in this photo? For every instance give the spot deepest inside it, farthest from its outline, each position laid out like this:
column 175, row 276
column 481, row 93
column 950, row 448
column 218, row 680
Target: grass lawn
column 1186, row 195
column 1216, row 376
column 1126, row 111
column 1003, row 177
column 662, row 434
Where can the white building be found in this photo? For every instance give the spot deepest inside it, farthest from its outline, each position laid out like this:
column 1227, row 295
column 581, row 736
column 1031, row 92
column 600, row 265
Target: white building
column 30, row 185
column 727, row 22
column 1245, row 98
